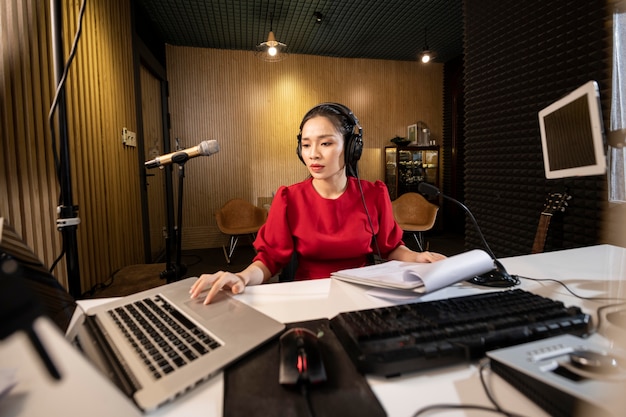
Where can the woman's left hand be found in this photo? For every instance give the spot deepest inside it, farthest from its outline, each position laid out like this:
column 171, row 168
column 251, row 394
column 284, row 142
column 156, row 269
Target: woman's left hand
column 428, row 257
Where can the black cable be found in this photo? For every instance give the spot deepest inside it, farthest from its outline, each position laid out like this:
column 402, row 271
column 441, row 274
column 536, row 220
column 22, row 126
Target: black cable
column 484, row 365
column 444, row 407
column 304, row 389
column 369, row 218
column 622, row 301
column 496, row 409
column 55, row 103
column 572, row 292
column 56, row 261
column 490, row 396
column 101, row 286
column 61, row 84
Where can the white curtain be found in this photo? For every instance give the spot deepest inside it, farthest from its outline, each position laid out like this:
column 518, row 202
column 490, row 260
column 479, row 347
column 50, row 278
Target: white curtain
column 617, row 155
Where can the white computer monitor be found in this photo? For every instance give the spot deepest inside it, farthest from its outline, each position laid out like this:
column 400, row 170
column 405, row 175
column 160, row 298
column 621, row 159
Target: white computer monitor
column 572, row 134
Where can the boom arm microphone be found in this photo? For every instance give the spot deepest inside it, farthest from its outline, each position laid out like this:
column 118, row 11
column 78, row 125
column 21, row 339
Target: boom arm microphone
column 498, row 277
column 205, row 148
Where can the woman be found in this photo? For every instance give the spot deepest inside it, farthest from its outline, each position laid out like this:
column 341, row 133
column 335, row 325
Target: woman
column 332, row 220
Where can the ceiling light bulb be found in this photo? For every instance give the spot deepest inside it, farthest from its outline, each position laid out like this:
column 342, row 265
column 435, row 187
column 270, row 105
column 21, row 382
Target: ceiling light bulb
column 427, row 55
column 271, row 50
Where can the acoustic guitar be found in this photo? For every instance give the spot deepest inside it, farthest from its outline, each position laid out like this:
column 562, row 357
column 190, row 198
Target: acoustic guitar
column 555, row 202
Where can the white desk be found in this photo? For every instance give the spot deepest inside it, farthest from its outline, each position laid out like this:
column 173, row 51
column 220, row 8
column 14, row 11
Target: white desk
column 593, row 271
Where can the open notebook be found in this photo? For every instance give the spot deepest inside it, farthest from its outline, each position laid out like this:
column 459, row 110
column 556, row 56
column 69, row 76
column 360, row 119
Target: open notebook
column 420, row 277
column 154, row 345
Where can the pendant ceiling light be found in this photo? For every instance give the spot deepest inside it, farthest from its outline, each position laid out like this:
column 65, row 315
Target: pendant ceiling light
column 427, row 55
column 271, row 50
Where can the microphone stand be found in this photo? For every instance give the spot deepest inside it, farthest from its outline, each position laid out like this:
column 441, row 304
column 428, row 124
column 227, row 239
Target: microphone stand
column 68, row 220
column 497, row 277
column 174, row 272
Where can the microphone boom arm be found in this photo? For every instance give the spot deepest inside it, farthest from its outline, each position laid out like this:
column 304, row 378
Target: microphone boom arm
column 469, row 213
column 498, row 277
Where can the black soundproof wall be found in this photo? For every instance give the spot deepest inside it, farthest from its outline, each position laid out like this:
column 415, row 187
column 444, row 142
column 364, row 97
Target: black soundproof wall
column 519, row 58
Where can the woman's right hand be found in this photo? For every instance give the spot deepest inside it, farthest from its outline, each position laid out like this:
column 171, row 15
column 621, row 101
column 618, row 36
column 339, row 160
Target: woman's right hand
column 256, row 273
column 216, row 282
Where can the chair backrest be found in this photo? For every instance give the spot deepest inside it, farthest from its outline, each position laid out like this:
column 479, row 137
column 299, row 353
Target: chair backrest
column 414, row 212
column 238, row 214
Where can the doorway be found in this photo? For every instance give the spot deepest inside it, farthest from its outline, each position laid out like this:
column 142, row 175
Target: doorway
column 155, row 180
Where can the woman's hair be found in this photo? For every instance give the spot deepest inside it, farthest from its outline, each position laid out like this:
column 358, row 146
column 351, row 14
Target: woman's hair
column 345, row 123
column 340, row 121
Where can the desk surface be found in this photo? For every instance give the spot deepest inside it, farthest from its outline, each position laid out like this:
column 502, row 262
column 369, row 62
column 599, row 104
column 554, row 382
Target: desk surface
column 591, row 272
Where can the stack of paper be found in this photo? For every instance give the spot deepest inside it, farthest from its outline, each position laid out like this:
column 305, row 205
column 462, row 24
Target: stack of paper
column 420, row 277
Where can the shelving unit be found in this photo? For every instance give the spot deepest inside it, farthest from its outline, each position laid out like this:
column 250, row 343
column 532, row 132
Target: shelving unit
column 407, row 166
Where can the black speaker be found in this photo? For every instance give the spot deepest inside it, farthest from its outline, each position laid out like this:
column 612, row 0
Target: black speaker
column 353, row 147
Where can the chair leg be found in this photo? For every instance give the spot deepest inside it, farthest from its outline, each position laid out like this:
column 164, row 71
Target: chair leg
column 226, row 255
column 231, row 248
column 419, row 239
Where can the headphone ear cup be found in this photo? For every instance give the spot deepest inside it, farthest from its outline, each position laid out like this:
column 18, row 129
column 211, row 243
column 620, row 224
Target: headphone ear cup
column 354, row 149
column 358, row 148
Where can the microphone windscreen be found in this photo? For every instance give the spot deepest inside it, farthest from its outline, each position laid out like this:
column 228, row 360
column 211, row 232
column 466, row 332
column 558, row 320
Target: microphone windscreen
column 428, row 189
column 209, row 147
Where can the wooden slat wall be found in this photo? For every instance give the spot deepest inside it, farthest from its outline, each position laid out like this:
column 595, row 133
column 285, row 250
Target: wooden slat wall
column 100, row 102
column 253, row 109
column 27, row 181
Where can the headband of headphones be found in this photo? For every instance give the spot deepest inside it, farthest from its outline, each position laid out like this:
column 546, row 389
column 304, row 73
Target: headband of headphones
column 353, row 139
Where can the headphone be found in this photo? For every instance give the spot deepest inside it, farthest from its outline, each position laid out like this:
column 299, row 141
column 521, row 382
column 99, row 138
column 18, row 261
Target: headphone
column 353, row 147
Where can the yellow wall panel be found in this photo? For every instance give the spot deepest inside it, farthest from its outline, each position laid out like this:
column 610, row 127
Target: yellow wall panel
column 254, row 108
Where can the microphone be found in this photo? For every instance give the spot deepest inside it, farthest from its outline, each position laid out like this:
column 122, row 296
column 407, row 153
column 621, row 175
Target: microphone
column 498, row 277
column 205, row 148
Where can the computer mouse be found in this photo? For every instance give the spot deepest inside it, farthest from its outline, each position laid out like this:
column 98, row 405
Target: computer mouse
column 300, row 358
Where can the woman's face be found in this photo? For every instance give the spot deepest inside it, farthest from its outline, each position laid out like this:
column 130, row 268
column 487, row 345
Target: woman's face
column 322, row 148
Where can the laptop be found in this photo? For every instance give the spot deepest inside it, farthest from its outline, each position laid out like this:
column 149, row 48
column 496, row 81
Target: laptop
column 156, row 344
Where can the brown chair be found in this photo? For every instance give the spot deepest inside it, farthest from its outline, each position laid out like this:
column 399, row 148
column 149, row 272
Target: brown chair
column 415, row 214
column 239, row 218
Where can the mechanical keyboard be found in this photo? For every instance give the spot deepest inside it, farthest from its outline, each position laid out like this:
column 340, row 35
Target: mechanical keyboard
column 424, row 335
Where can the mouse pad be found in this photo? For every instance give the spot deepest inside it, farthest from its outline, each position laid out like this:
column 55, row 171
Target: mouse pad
column 251, row 385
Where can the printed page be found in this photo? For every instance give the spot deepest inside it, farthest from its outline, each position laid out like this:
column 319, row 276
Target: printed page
column 420, row 277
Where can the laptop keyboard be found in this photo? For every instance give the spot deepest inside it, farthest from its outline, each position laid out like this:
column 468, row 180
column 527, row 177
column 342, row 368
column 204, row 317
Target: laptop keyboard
column 161, row 335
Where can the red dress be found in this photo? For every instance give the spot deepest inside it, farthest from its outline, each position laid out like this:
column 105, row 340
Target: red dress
column 328, row 235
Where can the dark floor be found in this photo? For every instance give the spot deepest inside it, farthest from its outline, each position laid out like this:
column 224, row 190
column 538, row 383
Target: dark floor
column 199, row 261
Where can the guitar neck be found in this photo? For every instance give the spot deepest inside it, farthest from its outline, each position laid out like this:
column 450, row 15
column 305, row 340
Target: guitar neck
column 556, row 202
column 542, row 233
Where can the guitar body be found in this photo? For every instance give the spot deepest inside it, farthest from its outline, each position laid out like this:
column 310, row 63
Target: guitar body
column 555, row 202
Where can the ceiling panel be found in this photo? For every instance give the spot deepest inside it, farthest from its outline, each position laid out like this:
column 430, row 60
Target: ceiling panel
column 396, row 29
